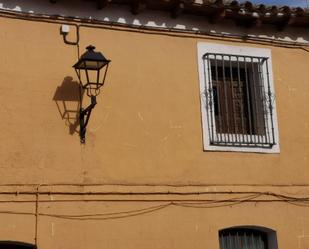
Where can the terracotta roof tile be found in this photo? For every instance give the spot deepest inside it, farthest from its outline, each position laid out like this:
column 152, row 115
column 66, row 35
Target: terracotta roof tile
column 245, row 13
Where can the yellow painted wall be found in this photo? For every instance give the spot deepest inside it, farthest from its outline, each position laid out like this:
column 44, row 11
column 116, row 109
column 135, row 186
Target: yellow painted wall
column 146, row 129
column 147, row 124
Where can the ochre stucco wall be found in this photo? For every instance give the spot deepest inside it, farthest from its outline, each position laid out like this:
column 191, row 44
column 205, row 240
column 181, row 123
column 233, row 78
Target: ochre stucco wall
column 147, row 124
column 146, row 129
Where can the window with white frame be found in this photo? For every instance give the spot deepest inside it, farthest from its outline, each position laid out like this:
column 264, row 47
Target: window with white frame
column 248, row 238
column 238, row 99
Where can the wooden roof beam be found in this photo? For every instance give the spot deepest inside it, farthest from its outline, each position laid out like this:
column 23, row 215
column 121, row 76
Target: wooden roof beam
column 102, row 3
column 137, row 6
column 247, row 15
column 262, row 8
column 234, row 5
column 249, row 6
column 299, row 11
column 177, row 9
column 218, row 12
column 286, row 18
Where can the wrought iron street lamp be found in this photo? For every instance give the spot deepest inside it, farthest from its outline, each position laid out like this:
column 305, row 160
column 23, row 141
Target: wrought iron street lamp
column 91, row 70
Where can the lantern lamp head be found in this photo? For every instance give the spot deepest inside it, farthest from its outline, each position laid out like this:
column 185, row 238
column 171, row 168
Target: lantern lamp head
column 88, row 69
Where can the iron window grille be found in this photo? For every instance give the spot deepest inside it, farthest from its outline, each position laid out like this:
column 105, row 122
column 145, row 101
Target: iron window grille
column 239, row 101
column 241, row 238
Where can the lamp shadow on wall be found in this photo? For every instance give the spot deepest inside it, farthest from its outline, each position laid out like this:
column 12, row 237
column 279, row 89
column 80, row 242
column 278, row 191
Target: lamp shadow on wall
column 16, row 245
column 68, row 98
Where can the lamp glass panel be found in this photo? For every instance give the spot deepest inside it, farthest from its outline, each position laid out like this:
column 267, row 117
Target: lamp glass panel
column 92, row 76
column 83, row 77
column 94, row 64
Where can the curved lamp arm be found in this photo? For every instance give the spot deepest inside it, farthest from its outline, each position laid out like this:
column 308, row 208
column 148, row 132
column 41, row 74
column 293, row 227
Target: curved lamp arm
column 84, row 116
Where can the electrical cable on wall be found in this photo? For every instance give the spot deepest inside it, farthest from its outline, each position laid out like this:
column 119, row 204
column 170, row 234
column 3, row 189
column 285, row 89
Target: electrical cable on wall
column 210, row 203
column 131, row 213
column 153, row 185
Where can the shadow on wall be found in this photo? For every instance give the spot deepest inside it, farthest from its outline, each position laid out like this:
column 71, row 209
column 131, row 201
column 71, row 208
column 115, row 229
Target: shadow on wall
column 68, row 98
column 16, row 245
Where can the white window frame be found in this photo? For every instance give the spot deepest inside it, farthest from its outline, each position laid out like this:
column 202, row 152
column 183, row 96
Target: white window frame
column 204, row 48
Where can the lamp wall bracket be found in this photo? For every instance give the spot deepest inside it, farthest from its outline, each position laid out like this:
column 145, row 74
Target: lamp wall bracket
column 84, row 116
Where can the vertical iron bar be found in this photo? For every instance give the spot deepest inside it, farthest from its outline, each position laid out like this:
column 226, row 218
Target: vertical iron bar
column 226, row 242
column 226, row 103
column 253, row 241
column 270, row 104
column 222, row 242
column 238, row 242
column 219, row 101
column 233, row 102
column 245, row 238
column 248, row 98
column 255, row 99
column 262, row 92
column 260, row 243
column 242, row 101
column 230, row 241
column 235, row 241
column 211, row 99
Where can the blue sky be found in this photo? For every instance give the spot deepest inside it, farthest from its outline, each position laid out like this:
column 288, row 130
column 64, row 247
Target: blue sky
column 292, row 3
